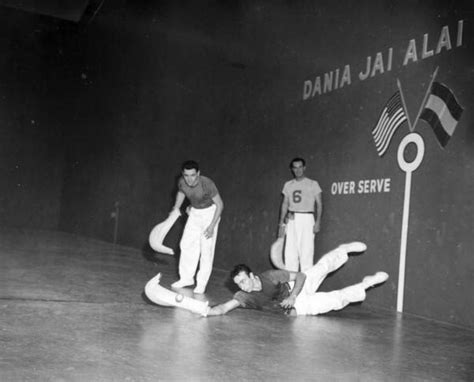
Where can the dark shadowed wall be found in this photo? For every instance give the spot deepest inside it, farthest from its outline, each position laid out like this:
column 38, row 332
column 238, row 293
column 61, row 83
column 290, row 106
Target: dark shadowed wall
column 243, row 88
column 35, row 105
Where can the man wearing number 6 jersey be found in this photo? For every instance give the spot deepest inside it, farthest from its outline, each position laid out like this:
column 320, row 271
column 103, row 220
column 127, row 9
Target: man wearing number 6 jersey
column 298, row 217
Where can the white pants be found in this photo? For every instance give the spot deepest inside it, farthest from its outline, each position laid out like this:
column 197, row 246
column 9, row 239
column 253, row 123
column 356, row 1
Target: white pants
column 196, row 248
column 310, row 302
column 299, row 245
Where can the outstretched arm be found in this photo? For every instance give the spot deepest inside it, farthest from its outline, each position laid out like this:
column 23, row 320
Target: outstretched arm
column 221, row 309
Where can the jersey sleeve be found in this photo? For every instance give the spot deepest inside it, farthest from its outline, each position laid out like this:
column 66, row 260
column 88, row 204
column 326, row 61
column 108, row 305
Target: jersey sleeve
column 181, row 184
column 317, row 188
column 277, row 276
column 285, row 191
column 210, row 187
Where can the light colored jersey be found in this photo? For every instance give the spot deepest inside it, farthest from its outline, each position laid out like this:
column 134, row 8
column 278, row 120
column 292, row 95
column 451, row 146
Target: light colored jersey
column 301, row 194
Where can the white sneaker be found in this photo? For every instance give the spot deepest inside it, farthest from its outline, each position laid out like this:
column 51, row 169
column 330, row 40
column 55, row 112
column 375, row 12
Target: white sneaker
column 355, row 246
column 378, row 278
column 199, row 290
column 181, row 284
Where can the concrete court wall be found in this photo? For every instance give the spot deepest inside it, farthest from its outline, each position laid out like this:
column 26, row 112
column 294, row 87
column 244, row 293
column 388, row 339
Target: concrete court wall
column 236, row 88
column 35, row 94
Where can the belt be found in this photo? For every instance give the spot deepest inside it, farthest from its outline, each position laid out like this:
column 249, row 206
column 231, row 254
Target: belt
column 202, row 208
column 301, row 212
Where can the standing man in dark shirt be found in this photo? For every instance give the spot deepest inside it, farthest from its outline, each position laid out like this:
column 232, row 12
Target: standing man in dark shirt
column 199, row 237
column 272, row 289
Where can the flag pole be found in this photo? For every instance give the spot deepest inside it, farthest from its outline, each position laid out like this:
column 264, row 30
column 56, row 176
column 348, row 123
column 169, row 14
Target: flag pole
column 404, row 105
column 426, row 96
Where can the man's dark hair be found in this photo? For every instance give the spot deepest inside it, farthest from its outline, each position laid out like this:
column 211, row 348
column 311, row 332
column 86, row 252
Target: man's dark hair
column 190, row 165
column 297, row 159
column 240, row 268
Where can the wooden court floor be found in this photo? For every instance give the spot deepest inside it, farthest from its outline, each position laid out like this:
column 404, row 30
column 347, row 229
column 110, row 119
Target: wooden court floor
column 73, row 309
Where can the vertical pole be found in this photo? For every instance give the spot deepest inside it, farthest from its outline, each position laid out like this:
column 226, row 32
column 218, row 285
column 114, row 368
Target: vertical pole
column 403, row 243
column 408, row 168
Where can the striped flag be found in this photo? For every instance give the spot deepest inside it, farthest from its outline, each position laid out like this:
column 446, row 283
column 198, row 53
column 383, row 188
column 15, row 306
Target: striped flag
column 442, row 112
column 391, row 117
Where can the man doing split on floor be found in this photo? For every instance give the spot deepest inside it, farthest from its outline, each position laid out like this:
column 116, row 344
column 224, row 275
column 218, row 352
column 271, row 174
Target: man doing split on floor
column 271, row 290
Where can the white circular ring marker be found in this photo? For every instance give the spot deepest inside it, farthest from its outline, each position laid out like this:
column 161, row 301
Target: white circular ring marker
column 420, row 146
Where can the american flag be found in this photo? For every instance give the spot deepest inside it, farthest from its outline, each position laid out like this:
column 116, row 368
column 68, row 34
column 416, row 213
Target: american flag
column 391, row 118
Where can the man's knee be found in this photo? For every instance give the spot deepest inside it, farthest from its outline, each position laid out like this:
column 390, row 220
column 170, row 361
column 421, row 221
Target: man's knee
column 336, row 257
